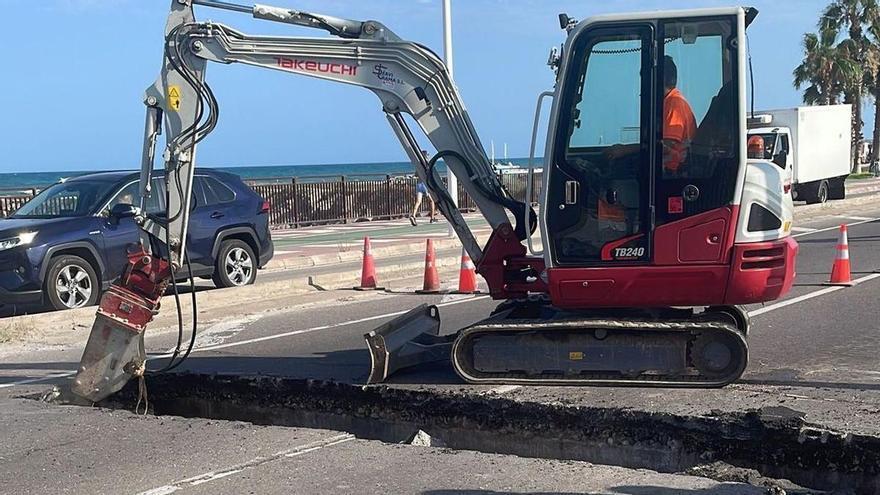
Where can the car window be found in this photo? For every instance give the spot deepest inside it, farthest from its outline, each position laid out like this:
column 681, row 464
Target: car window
column 210, row 191
column 198, row 192
column 210, row 196
column 130, row 194
column 220, row 190
column 66, row 199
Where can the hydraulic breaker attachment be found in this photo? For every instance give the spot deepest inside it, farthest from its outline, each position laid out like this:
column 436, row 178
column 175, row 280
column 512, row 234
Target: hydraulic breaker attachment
column 411, row 339
column 115, row 353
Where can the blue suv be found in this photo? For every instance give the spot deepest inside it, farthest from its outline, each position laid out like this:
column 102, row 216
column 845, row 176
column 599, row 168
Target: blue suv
column 69, row 243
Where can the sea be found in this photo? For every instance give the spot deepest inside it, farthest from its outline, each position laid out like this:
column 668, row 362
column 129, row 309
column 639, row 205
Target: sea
column 260, row 173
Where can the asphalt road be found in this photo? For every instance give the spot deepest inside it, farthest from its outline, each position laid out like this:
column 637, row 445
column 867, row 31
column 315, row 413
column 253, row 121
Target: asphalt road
column 75, row 450
column 832, row 336
column 814, row 351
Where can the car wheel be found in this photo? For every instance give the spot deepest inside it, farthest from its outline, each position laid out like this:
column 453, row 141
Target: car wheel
column 236, row 264
column 70, row 283
column 822, row 194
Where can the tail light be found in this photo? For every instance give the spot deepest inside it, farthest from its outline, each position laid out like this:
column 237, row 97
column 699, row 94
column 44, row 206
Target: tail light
column 786, row 187
column 264, row 207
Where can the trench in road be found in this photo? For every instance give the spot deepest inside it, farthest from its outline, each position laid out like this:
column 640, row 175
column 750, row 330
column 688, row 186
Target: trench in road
column 775, row 441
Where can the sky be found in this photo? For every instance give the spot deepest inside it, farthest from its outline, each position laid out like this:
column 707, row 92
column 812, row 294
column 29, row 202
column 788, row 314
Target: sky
column 75, row 71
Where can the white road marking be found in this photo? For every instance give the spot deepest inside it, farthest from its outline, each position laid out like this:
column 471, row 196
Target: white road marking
column 811, row 295
column 325, row 327
column 793, row 229
column 298, row 453
column 836, row 227
column 257, row 461
column 162, row 490
column 857, row 218
column 224, row 330
column 448, row 296
column 252, row 341
column 50, row 376
column 429, row 234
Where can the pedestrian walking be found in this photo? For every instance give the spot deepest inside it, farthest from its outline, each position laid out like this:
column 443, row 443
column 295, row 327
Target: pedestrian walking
column 421, row 192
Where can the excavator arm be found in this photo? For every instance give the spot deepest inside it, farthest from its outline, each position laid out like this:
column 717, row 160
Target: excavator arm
column 408, row 78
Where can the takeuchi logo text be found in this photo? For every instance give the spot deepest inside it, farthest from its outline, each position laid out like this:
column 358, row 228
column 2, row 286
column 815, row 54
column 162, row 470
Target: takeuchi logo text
column 313, row 66
column 385, row 75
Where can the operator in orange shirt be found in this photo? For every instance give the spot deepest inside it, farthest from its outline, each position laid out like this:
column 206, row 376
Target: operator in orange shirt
column 679, row 128
column 679, row 124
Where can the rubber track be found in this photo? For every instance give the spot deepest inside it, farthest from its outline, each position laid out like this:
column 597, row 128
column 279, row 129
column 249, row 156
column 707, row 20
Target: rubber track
column 693, row 327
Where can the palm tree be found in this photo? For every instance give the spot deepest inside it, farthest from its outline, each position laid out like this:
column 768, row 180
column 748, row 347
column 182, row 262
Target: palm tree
column 872, row 81
column 853, row 16
column 826, row 71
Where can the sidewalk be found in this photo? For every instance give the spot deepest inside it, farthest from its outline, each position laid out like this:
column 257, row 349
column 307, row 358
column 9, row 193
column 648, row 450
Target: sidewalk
column 862, row 186
column 328, row 244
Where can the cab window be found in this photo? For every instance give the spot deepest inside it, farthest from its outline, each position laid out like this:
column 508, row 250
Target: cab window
column 700, row 132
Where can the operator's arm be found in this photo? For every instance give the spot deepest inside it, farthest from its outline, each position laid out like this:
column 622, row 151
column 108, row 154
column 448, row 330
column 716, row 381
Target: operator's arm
column 679, row 127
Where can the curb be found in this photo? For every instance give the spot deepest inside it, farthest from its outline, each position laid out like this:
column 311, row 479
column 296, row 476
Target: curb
column 19, row 328
column 862, row 199
column 867, row 189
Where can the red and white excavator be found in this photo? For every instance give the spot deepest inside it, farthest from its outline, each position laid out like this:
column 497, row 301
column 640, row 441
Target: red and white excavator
column 654, row 226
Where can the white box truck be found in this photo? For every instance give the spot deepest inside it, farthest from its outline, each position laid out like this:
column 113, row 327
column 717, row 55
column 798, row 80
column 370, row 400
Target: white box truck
column 814, row 144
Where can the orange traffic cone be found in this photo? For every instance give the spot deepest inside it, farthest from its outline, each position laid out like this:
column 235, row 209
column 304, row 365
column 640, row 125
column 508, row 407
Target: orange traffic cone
column 840, row 272
column 432, row 278
column 467, row 276
column 368, row 269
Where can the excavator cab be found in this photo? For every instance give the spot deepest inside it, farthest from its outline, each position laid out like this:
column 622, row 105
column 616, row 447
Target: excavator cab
column 646, row 165
column 627, row 153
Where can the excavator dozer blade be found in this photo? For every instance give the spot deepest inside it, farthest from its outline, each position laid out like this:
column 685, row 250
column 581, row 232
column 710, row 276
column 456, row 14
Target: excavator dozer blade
column 409, row 340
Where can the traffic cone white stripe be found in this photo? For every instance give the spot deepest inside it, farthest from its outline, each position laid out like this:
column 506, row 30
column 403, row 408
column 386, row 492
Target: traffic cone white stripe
column 467, row 277
column 432, row 278
column 840, row 270
column 368, row 269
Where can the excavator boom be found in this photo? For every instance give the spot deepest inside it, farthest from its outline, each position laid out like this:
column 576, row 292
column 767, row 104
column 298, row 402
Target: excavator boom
column 408, row 78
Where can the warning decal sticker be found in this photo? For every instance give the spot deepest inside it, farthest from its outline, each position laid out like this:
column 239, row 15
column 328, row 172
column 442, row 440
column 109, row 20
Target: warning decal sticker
column 174, row 98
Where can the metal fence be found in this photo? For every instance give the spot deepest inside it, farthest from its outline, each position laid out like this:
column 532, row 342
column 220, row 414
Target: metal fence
column 8, row 204
column 303, row 201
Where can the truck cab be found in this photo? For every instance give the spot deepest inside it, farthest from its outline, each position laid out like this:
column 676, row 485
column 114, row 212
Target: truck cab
column 777, row 149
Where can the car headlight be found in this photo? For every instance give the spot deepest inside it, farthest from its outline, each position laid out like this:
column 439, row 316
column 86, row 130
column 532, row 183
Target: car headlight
column 22, row 239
